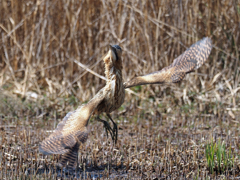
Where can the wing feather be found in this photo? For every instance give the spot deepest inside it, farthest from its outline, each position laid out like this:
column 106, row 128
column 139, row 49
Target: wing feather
column 70, row 156
column 191, row 59
column 71, row 130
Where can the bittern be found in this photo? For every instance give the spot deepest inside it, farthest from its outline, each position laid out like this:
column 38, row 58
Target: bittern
column 73, row 129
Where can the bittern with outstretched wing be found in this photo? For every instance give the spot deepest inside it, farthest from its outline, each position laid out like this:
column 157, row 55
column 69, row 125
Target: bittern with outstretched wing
column 73, row 129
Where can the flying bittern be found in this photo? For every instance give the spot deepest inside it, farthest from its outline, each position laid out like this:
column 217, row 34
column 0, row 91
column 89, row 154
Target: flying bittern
column 73, row 129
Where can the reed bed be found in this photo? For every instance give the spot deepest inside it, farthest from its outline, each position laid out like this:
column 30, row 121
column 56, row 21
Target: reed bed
column 166, row 131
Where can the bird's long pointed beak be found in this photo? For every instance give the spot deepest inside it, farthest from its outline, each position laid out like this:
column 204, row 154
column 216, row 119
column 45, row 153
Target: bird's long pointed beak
column 111, row 47
column 113, row 50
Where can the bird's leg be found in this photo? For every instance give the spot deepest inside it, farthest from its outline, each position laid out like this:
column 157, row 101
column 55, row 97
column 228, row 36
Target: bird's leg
column 106, row 126
column 76, row 170
column 115, row 128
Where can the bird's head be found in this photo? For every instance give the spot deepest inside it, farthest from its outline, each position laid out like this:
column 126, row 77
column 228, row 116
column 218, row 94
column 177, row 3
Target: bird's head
column 114, row 57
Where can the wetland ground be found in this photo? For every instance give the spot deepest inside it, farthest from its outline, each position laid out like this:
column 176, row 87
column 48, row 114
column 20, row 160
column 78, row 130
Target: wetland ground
column 188, row 130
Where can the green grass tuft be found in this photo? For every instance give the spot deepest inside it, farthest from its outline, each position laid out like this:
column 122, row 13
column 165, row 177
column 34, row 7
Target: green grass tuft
column 217, row 157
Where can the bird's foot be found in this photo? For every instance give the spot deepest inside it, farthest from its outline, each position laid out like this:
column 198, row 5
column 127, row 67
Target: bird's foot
column 115, row 129
column 107, row 127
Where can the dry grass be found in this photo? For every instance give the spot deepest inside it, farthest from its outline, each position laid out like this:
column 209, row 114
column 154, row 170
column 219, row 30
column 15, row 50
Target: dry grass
column 153, row 143
column 166, row 127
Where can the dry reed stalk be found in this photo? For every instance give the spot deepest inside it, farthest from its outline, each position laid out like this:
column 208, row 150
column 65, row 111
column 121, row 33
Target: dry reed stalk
column 39, row 41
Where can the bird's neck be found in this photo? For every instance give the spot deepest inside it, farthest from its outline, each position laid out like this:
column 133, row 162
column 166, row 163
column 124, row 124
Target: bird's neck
column 113, row 73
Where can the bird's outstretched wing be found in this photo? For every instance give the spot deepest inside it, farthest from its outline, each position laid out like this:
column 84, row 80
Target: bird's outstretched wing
column 71, row 131
column 191, row 59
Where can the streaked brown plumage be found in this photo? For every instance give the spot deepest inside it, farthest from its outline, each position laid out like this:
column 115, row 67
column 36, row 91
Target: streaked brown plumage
column 70, row 132
column 190, row 60
column 114, row 91
column 73, row 129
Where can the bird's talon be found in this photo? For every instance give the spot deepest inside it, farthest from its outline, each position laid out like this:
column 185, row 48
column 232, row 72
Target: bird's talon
column 108, row 129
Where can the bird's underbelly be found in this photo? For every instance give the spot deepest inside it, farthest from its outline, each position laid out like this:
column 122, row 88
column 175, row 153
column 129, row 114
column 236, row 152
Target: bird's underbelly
column 112, row 101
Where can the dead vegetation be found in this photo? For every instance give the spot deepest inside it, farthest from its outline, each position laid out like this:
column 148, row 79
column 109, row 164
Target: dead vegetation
column 165, row 130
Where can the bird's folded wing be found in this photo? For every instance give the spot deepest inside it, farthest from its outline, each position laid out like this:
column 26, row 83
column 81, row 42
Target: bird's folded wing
column 72, row 129
column 191, row 59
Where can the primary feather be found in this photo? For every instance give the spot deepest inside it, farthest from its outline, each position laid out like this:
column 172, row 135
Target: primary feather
column 71, row 131
column 191, row 59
